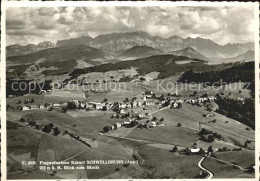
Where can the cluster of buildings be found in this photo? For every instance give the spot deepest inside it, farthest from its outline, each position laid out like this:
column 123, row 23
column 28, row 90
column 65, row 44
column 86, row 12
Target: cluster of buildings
column 200, row 100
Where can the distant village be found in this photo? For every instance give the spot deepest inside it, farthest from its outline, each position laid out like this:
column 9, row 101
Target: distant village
column 145, row 101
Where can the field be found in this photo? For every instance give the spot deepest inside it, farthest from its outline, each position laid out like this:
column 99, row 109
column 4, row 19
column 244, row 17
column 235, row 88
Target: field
column 169, row 165
column 222, row 170
column 153, row 144
column 168, row 135
column 244, row 158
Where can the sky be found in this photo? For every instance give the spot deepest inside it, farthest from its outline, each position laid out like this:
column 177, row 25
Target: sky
column 220, row 24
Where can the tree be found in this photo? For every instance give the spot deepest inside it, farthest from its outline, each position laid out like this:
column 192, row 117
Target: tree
column 37, row 127
column 32, row 100
column 195, row 93
column 104, row 108
column 56, row 131
column 126, row 100
column 19, row 102
column 32, row 123
column 154, row 118
column 47, row 129
column 106, row 129
column 179, row 125
column 51, row 125
column 64, row 109
column 105, row 100
column 210, row 149
column 132, row 123
column 134, row 98
column 142, row 79
column 245, row 145
column 174, row 149
column 22, row 120
column 161, row 120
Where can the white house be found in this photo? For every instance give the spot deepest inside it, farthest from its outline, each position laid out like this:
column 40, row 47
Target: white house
column 153, row 123
column 126, row 123
column 211, row 98
column 82, row 105
column 150, row 103
column 122, row 111
column 118, row 125
column 25, row 108
column 33, row 107
column 122, row 105
column 175, row 105
column 99, row 106
column 56, row 105
column 42, row 106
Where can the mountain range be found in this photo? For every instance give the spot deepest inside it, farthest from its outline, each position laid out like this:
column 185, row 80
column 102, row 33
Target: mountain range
column 126, row 44
column 15, row 50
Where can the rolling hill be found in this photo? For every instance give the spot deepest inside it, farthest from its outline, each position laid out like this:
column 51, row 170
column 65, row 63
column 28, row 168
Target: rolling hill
column 189, row 52
column 248, row 56
column 140, row 52
column 77, row 52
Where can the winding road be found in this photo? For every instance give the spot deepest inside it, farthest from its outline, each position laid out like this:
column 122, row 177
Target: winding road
column 210, row 174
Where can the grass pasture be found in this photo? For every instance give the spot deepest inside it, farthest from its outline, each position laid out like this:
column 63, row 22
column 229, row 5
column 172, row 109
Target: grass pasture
column 167, row 164
column 244, row 158
column 222, row 170
column 168, row 135
column 86, row 126
column 190, row 116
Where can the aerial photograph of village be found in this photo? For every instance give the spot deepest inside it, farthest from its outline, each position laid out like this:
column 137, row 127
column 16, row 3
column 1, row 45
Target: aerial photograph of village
column 130, row 92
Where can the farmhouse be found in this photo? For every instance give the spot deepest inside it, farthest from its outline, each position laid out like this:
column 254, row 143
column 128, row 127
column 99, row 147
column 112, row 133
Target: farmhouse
column 25, row 108
column 118, row 125
column 122, row 105
column 56, row 105
column 122, row 111
column 98, row 106
column 153, row 124
column 175, row 105
column 33, row 107
column 126, row 123
column 212, row 98
column 149, row 102
column 42, row 106
column 197, row 151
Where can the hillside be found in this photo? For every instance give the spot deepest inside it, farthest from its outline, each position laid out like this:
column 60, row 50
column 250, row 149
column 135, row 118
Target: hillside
column 140, row 52
column 60, row 53
column 248, row 56
column 167, row 65
column 189, row 52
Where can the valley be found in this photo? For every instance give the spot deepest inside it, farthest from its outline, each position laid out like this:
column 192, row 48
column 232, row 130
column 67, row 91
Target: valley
column 149, row 103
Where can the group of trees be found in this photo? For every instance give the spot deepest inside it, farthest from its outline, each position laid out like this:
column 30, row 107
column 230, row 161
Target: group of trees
column 47, row 128
column 22, row 87
column 237, row 73
column 243, row 112
column 208, row 136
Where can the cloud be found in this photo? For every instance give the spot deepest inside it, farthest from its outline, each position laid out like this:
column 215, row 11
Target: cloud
column 221, row 24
